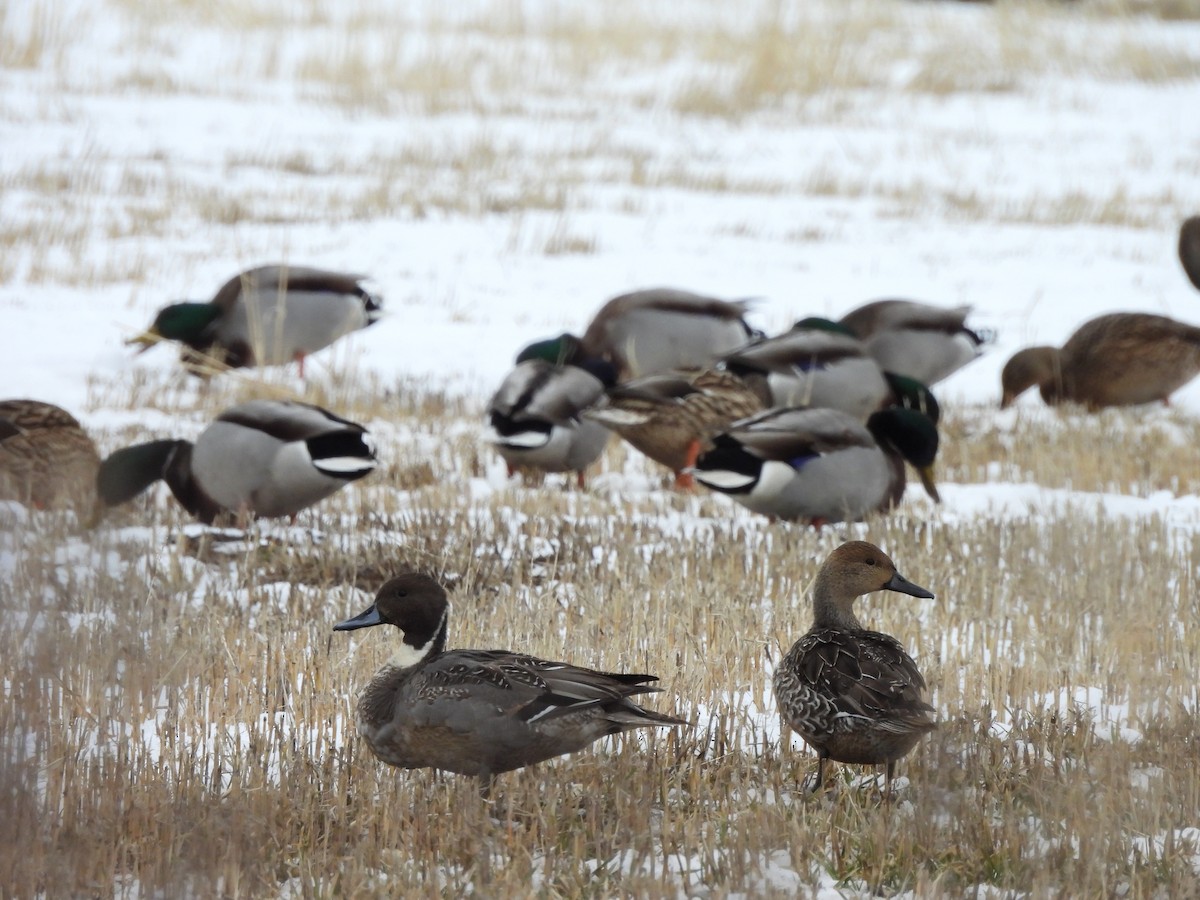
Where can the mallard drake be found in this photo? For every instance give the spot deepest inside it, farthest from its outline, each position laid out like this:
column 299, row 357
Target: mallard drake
column 535, row 416
column 924, row 342
column 265, row 458
column 268, row 316
column 821, row 364
column 654, row 330
column 481, row 712
column 46, row 458
column 854, row 696
column 1189, row 248
column 820, row 465
column 1121, row 359
column 671, row 417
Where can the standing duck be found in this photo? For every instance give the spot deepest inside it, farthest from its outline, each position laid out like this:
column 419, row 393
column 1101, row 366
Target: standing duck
column 855, row 696
column 46, row 458
column 926, row 343
column 268, row 316
column 672, row 417
column 1189, row 249
column 1121, row 359
column 266, row 458
column 652, row 331
column 820, row 465
column 535, row 417
column 481, row 712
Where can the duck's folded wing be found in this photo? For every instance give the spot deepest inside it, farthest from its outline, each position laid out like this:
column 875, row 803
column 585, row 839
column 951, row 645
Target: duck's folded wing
column 542, row 391
column 524, row 687
column 287, row 421
column 869, row 676
column 782, row 434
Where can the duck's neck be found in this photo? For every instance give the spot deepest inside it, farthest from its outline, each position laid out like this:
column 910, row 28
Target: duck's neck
column 830, row 609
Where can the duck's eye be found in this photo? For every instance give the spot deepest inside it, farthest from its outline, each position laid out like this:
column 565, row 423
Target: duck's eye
column 870, row 560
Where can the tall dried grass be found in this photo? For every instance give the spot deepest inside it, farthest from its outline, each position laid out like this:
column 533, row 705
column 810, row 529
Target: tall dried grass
column 177, row 714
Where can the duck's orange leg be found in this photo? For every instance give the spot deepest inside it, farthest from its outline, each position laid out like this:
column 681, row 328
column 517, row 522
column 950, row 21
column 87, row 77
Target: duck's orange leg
column 683, row 478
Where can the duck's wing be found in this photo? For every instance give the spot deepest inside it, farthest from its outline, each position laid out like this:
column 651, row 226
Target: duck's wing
column 662, row 328
column 787, row 434
column 523, row 687
column 541, row 391
column 276, row 279
column 31, row 415
column 796, row 349
column 881, row 315
column 287, row 420
column 863, row 674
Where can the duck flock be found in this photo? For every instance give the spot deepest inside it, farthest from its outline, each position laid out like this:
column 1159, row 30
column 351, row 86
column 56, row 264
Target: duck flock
column 815, row 425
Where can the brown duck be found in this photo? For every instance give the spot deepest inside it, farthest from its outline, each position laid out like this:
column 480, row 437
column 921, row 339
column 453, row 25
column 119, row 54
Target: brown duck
column 1121, row 359
column 46, row 458
column 854, row 695
column 671, row 418
column 481, row 712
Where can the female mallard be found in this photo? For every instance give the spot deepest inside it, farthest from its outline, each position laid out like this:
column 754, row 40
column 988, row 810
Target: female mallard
column 652, row 331
column 535, row 417
column 855, row 696
column 481, row 712
column 265, row 458
column 821, row 364
column 820, row 465
column 1189, row 248
column 46, row 458
column 671, row 417
column 268, row 316
column 1121, row 359
column 924, row 342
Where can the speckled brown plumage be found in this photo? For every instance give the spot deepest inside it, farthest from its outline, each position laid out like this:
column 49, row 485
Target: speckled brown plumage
column 853, row 695
column 1121, row 359
column 481, row 712
column 46, row 458
column 672, row 418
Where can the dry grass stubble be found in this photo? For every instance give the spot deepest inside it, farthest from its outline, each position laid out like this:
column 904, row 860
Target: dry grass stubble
column 177, row 716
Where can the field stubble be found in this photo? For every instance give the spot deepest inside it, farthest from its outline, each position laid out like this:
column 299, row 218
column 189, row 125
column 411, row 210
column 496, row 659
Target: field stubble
column 177, row 713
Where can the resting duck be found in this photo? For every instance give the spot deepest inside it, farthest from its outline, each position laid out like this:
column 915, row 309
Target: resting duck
column 651, row 331
column 821, row 364
column 1121, row 359
column 481, row 712
column 855, row 696
column 1189, row 248
column 535, row 417
column 926, row 343
column 46, row 458
column 671, row 417
column 265, row 458
column 268, row 316
column 820, row 465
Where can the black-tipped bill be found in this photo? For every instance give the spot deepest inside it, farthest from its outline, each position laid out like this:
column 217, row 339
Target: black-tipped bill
column 366, row 618
column 899, row 583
